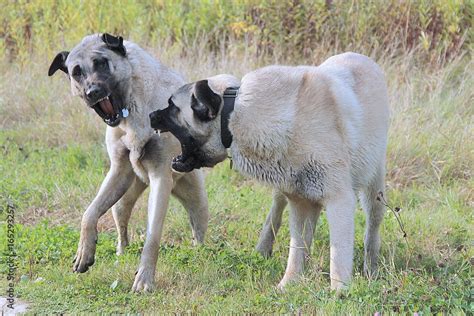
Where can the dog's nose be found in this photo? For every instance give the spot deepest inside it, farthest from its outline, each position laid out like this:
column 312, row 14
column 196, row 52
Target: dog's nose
column 152, row 115
column 93, row 92
column 156, row 119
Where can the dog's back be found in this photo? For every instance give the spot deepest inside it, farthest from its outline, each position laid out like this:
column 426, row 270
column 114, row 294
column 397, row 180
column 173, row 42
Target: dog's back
column 291, row 123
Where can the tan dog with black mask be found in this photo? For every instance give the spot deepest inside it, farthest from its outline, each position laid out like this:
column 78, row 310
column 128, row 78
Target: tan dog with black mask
column 318, row 135
column 123, row 84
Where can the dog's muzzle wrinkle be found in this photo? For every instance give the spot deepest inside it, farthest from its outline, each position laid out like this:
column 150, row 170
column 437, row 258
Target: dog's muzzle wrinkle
column 94, row 93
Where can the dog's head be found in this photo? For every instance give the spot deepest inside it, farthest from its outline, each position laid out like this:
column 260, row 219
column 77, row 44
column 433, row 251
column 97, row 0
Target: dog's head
column 100, row 74
column 193, row 117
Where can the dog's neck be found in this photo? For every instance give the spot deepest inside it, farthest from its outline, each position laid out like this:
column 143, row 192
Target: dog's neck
column 229, row 100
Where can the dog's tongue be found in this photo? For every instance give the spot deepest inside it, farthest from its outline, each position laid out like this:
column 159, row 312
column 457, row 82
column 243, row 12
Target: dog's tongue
column 107, row 107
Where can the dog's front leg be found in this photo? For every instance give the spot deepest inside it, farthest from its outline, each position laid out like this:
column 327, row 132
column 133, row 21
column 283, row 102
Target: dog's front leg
column 115, row 184
column 160, row 190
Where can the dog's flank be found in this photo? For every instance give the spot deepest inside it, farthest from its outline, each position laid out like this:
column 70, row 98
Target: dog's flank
column 318, row 135
column 123, row 84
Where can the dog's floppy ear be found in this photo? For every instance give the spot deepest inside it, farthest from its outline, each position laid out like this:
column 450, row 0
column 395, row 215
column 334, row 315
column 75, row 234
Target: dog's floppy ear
column 58, row 63
column 114, row 43
column 205, row 103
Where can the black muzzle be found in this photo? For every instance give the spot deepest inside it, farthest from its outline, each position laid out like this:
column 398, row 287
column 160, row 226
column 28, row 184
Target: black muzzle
column 159, row 120
column 191, row 157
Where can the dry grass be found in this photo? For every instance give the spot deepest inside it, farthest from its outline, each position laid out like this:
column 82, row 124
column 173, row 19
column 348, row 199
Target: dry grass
column 431, row 107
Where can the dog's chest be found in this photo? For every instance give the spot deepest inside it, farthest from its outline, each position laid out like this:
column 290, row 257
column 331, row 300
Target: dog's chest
column 136, row 148
column 306, row 178
column 137, row 165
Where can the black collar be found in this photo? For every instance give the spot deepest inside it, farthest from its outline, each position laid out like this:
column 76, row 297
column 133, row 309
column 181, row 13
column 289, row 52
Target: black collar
column 229, row 100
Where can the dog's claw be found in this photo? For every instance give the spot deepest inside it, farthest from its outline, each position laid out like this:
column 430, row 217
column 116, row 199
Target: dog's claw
column 81, row 267
column 85, row 253
column 265, row 253
column 144, row 280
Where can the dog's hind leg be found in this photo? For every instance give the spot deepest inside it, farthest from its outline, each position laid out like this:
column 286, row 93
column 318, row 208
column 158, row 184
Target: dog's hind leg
column 190, row 191
column 340, row 214
column 122, row 211
column 272, row 224
column 374, row 210
column 303, row 218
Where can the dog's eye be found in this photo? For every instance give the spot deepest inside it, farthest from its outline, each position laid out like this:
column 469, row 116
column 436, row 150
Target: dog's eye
column 100, row 63
column 172, row 105
column 76, row 72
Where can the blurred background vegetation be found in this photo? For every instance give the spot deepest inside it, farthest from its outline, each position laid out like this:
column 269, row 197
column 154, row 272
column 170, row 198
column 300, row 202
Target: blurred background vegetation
column 290, row 29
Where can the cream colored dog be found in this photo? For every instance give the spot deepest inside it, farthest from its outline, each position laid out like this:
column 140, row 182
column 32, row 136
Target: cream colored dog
column 318, row 135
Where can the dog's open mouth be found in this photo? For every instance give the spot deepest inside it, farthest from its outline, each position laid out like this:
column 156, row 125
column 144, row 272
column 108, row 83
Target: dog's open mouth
column 110, row 113
column 191, row 159
column 161, row 130
column 185, row 163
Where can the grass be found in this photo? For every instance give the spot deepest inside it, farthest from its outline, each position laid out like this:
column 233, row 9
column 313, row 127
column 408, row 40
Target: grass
column 53, row 160
column 429, row 274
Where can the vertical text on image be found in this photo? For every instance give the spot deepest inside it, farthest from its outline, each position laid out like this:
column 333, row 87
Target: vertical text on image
column 11, row 254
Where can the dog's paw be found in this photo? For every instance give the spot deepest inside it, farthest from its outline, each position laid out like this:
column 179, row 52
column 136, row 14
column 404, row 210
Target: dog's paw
column 121, row 245
column 287, row 280
column 370, row 269
column 264, row 250
column 144, row 280
column 85, row 254
column 120, row 250
column 281, row 286
column 339, row 288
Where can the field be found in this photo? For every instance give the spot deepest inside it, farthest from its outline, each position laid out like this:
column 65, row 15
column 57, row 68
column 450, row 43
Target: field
column 54, row 159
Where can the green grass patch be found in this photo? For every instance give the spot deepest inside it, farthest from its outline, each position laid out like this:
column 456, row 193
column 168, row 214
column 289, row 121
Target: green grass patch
column 36, row 175
column 219, row 277
column 429, row 272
